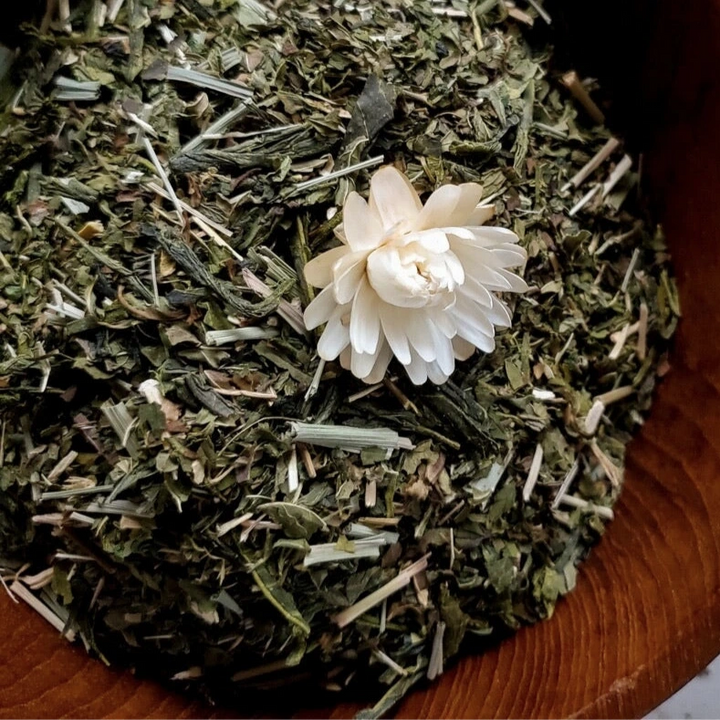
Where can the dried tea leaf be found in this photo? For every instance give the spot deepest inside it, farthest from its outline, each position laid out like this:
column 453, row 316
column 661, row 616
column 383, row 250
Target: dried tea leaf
column 296, row 521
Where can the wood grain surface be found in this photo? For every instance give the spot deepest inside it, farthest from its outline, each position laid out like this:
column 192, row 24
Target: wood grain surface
column 645, row 617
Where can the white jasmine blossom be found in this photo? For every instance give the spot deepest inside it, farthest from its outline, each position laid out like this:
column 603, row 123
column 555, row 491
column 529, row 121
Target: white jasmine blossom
column 411, row 281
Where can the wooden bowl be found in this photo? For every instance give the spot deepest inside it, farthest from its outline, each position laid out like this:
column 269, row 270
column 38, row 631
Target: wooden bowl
column 645, row 617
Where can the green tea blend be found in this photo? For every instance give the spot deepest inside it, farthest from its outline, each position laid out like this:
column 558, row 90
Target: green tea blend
column 324, row 326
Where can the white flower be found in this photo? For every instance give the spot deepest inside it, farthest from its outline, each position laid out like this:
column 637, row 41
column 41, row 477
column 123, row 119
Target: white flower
column 412, row 281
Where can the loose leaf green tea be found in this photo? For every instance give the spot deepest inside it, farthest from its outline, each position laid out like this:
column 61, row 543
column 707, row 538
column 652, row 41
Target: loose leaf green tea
column 187, row 489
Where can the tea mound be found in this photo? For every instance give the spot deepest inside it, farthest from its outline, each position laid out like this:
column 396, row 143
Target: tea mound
column 187, row 488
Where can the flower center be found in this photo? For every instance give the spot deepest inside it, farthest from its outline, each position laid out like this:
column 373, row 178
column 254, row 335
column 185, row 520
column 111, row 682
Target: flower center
column 413, row 276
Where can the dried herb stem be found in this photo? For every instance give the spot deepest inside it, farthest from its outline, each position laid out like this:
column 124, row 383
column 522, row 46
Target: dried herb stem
column 403, row 579
column 593, row 164
column 573, row 83
column 292, row 618
column 20, row 591
column 345, row 436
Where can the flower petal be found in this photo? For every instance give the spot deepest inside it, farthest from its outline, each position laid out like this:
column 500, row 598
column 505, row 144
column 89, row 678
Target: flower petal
column 461, row 234
column 381, row 365
column 449, row 205
column 496, row 255
column 435, row 374
column 492, row 279
column 362, row 364
column 473, row 334
column 361, row 226
column 347, row 273
column 340, row 234
column 508, row 258
column 463, row 349
column 476, row 291
column 492, row 235
column 481, row 214
column 434, row 241
column 477, row 263
column 481, row 256
column 499, row 314
column 394, row 323
column 470, row 313
column 365, row 319
column 393, row 198
column 470, row 196
column 444, row 355
column 517, row 284
column 335, row 337
column 346, row 357
column 417, row 369
column 320, row 309
column 443, row 321
column 419, row 331
column 473, row 325
column 318, row 272
column 454, row 267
